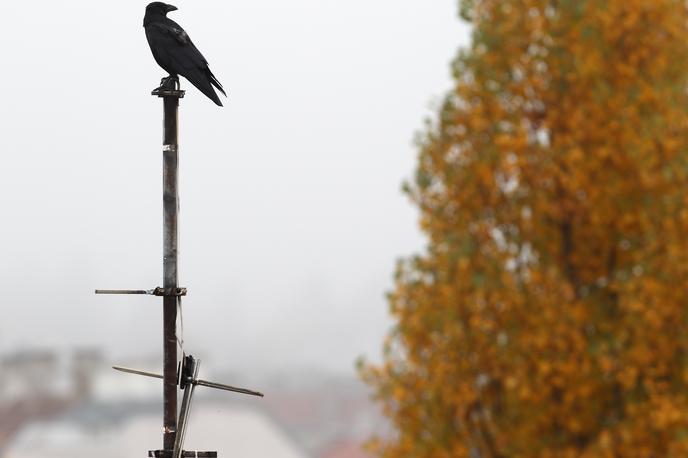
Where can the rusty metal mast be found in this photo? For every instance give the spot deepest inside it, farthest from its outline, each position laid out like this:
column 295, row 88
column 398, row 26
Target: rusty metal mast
column 184, row 375
column 170, row 180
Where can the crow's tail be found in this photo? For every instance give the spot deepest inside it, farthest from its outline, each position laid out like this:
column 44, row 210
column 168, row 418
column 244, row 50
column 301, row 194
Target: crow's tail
column 204, row 80
column 216, row 83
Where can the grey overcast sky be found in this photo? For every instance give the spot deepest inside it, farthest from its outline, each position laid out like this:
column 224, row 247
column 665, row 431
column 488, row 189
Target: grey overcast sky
column 291, row 212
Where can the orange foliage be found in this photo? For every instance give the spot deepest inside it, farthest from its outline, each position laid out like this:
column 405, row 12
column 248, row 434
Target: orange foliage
column 549, row 315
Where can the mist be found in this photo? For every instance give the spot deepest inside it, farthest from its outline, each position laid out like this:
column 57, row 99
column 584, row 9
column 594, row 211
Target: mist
column 292, row 216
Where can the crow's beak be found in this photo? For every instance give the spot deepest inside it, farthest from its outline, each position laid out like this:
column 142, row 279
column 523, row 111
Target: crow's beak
column 171, row 8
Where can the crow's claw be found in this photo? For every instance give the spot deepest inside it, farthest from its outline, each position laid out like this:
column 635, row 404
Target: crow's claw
column 169, row 83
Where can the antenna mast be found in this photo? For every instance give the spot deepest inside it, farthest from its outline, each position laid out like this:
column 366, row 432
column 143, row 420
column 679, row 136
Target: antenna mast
column 170, row 199
column 175, row 422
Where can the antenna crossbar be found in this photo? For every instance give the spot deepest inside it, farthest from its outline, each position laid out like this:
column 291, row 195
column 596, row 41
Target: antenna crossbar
column 199, row 382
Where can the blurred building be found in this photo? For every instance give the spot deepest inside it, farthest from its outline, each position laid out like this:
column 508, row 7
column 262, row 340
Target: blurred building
column 117, row 430
column 86, row 363
column 45, row 374
column 331, row 416
column 35, row 385
column 75, row 405
column 26, row 374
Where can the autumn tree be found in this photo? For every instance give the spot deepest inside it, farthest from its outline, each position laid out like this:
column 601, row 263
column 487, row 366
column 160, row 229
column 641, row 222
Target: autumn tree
column 548, row 316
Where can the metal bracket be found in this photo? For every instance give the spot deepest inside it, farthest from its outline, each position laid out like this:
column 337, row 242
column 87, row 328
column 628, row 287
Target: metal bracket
column 171, row 292
column 166, row 93
column 185, row 454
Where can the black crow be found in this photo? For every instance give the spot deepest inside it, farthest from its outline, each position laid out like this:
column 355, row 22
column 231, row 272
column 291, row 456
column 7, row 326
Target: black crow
column 175, row 53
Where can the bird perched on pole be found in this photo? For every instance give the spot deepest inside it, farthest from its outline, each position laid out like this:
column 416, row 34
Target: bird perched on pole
column 175, row 53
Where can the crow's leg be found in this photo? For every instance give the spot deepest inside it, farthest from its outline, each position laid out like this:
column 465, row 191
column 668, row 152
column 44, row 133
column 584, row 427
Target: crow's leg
column 169, row 83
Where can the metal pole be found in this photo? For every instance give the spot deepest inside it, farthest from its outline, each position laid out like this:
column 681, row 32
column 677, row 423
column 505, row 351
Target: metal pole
column 170, row 269
column 173, row 438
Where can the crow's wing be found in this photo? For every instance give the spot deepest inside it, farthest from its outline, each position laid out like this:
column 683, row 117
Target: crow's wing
column 176, row 53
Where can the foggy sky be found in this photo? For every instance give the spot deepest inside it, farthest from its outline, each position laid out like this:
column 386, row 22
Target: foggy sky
column 291, row 211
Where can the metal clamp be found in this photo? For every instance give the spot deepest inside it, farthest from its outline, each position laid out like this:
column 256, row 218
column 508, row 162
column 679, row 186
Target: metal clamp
column 185, row 454
column 169, row 292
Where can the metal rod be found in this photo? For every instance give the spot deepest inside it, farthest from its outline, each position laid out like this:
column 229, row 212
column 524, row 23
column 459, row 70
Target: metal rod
column 149, row 292
column 136, row 372
column 170, row 266
column 220, row 386
column 185, row 409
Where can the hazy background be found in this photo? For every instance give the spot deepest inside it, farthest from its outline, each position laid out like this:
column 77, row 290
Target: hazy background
column 291, row 211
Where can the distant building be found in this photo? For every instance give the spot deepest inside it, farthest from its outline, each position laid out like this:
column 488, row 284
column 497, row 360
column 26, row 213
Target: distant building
column 114, row 431
column 330, row 417
column 39, row 374
column 29, row 373
column 85, row 364
column 74, row 405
